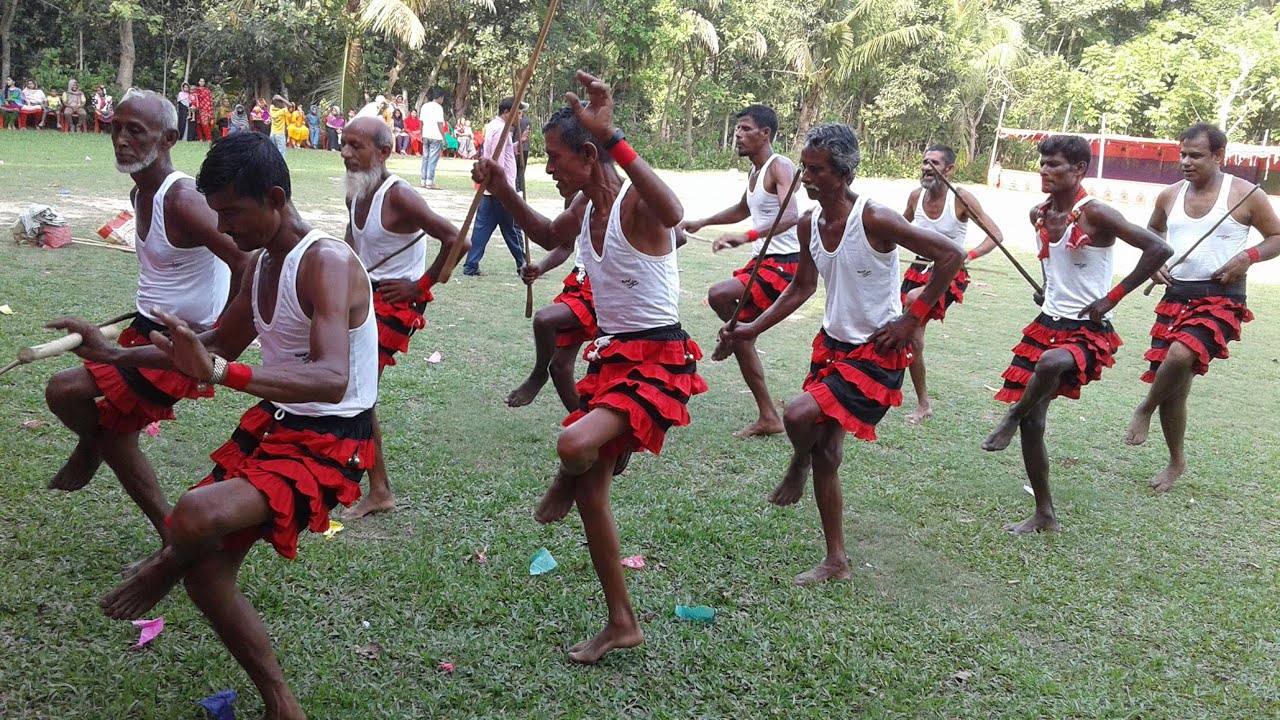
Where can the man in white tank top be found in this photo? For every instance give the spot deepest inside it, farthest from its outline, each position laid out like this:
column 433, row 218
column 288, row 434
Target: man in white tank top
column 864, row 347
column 187, row 266
column 1204, row 307
column 401, row 281
column 933, row 207
column 643, row 368
column 770, row 177
column 1067, row 346
column 304, row 447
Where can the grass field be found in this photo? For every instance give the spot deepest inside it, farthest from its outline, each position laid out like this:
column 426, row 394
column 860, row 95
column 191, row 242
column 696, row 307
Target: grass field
column 1143, row 606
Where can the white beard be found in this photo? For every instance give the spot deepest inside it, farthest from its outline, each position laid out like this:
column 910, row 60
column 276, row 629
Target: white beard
column 362, row 183
column 143, row 164
column 929, row 183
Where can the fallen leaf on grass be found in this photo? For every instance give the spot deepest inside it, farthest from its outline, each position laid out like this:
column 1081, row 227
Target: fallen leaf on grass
column 34, row 423
column 1014, row 582
column 150, row 629
column 981, row 284
column 434, row 358
column 635, row 562
column 984, row 292
column 335, row 527
column 482, row 556
column 6, row 310
column 218, row 705
column 369, row 651
column 153, row 429
column 962, row 677
column 446, row 665
column 991, row 389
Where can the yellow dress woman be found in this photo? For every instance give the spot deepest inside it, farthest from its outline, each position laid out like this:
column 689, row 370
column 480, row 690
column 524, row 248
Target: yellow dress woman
column 297, row 127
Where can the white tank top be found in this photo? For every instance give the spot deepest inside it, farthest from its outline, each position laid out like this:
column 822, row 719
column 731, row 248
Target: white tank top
column 633, row 291
column 286, row 340
column 374, row 242
column 861, row 283
column 1075, row 278
column 191, row 283
column 764, row 208
column 1227, row 240
column 947, row 225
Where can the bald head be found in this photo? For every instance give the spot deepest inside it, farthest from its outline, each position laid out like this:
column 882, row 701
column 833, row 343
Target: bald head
column 152, row 107
column 373, row 130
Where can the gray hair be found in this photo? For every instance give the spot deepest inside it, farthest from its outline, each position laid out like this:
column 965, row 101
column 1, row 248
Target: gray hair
column 169, row 112
column 841, row 143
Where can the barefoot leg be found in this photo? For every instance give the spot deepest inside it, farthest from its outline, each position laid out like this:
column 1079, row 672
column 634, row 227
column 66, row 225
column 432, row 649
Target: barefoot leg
column 545, row 324
column 137, row 477
column 1046, row 378
column 1035, row 457
column 558, row 500
column 800, row 417
column 380, row 498
column 562, row 364
column 767, row 421
column 71, row 396
column 923, row 409
column 827, row 454
column 211, row 585
column 1173, row 421
column 622, row 630
column 1173, row 378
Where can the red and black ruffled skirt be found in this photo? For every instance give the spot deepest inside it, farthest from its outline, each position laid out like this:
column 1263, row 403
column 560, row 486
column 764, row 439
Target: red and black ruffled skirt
column 577, row 296
column 918, row 274
column 397, row 322
column 855, row 385
column 1200, row 315
column 649, row 376
column 304, row 465
column 776, row 273
column 1093, row 347
column 133, row 398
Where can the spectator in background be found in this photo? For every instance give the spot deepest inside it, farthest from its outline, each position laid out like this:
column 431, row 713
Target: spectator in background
column 33, row 105
column 279, row 112
column 465, row 138
column 412, row 134
column 313, row 126
column 432, row 116
column 74, row 101
column 202, row 99
column 492, row 214
column 398, row 137
column 53, row 118
column 238, row 122
column 185, row 112
column 297, row 126
column 333, row 125
column 223, row 116
column 11, row 104
column 260, row 117
column 104, row 109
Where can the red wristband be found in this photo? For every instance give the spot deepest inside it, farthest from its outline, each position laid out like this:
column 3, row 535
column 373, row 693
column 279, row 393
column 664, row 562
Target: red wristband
column 920, row 310
column 424, row 288
column 623, row 154
column 1254, row 255
column 1117, row 294
column 238, row 376
column 753, row 235
column 973, row 255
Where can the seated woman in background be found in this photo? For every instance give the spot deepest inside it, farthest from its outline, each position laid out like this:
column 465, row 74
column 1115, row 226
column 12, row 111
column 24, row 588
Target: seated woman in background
column 296, row 127
column 260, row 117
column 412, row 134
column 333, row 125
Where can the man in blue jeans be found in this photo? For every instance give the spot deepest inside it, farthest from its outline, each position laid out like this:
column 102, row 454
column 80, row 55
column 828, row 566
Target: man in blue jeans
column 491, row 214
column 432, row 114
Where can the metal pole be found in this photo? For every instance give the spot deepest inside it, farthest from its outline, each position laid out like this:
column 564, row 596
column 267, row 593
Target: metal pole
column 1266, row 168
column 1102, row 145
column 996, row 143
column 1067, row 120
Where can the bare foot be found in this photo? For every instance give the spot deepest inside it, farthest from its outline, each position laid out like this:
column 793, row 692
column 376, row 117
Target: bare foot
column 762, row 426
column 558, row 500
column 791, row 489
column 590, row 651
column 1139, row 428
column 921, row 413
column 1163, row 482
column 374, row 502
column 1000, row 437
column 146, row 587
column 1036, row 523
column 528, row 389
column 132, row 568
column 828, row 570
column 285, row 707
column 79, row 468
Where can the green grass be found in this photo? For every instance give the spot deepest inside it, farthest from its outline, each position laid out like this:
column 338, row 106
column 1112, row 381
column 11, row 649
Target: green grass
column 1143, row 606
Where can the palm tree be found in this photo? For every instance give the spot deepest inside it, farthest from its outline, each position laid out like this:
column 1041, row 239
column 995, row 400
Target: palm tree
column 396, row 20
column 988, row 47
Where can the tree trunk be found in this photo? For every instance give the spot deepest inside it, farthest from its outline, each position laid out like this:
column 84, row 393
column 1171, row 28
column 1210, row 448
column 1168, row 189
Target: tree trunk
column 688, row 112
column 810, row 103
column 124, row 77
column 164, row 68
column 80, row 47
column 10, row 9
column 435, row 69
column 461, row 89
column 186, row 69
column 397, row 67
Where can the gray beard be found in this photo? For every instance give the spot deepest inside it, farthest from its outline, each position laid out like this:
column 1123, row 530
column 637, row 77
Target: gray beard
column 143, row 164
column 362, row 183
column 929, row 184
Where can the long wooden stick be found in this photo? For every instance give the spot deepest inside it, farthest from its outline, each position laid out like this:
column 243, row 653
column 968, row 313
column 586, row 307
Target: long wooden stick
column 722, row 349
column 399, row 250
column 973, row 215
column 528, row 258
column 1205, row 236
column 456, row 251
column 111, row 329
column 110, row 246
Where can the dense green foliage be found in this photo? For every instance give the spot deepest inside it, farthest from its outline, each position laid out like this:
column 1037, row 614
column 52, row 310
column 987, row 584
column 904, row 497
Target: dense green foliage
column 904, row 72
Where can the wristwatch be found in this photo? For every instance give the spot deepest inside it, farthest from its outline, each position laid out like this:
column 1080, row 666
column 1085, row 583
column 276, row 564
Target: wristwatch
column 617, row 138
column 219, row 370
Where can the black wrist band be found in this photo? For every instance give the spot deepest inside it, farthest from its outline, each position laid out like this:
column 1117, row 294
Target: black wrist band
column 617, row 138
